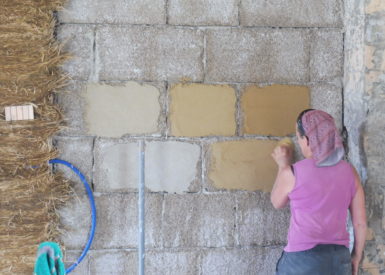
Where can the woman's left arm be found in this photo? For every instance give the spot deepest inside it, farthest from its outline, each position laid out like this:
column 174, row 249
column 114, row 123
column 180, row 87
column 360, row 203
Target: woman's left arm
column 285, row 180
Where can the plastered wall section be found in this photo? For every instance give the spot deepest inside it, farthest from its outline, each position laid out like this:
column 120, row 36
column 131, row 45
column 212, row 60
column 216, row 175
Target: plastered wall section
column 372, row 135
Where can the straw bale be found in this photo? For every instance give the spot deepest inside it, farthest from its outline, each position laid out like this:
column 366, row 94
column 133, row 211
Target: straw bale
column 30, row 60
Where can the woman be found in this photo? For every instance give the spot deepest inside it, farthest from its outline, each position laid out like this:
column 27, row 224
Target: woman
column 321, row 189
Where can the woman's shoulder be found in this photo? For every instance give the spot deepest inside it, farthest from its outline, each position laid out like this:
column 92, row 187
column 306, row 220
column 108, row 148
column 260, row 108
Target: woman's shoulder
column 304, row 162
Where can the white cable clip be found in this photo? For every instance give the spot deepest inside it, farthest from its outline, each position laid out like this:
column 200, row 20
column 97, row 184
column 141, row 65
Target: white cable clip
column 24, row 112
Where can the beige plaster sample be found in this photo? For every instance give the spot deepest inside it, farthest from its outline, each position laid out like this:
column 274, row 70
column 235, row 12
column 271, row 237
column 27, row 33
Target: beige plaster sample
column 202, row 110
column 273, row 110
column 375, row 6
column 112, row 111
column 243, row 165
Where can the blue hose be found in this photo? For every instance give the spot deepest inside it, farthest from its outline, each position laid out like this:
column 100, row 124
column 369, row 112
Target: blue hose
column 93, row 210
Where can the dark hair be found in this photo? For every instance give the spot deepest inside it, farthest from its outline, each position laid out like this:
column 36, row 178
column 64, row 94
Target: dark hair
column 301, row 130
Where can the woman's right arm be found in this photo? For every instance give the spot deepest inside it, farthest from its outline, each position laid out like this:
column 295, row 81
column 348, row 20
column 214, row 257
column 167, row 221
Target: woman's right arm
column 358, row 213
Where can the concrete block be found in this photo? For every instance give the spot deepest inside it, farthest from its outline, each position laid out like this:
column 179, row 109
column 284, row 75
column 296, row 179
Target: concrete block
column 328, row 98
column 240, row 261
column 79, row 152
column 168, row 168
column 202, row 110
column 78, row 42
column 198, row 220
column 168, row 262
column 200, row 12
column 116, row 166
column 72, row 103
column 257, row 55
column 114, row 262
column 75, row 220
column 114, row 12
column 258, row 223
column 373, row 140
column 149, row 53
column 326, row 55
column 273, row 110
column 115, row 110
column 242, row 165
column 282, row 13
column 118, row 220
column 71, row 257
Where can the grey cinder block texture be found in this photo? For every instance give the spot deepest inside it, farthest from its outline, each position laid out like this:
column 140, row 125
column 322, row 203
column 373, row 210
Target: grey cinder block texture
column 326, row 55
column 78, row 41
column 328, row 97
column 299, row 13
column 71, row 257
column 201, row 12
column 116, row 167
column 170, row 262
column 114, row 262
column 198, row 220
column 374, row 141
column 72, row 104
column 114, row 12
column 258, row 223
column 79, row 152
column 257, row 260
column 257, row 55
column 149, row 53
column 75, row 220
column 118, row 220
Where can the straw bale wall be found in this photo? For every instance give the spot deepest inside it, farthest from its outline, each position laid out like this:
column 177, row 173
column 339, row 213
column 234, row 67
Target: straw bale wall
column 29, row 74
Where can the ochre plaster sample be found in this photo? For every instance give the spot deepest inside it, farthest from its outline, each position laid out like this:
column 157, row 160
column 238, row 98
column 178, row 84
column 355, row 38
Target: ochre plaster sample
column 272, row 110
column 243, row 165
column 202, row 110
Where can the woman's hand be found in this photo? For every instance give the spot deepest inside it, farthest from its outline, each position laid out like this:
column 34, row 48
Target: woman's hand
column 355, row 264
column 283, row 156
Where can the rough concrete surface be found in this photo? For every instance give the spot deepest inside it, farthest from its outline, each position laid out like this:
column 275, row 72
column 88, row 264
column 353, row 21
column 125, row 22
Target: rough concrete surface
column 198, row 220
column 113, row 262
column 118, row 216
column 300, row 13
column 79, row 152
column 200, row 12
column 241, row 261
column 116, row 167
column 258, row 222
column 114, row 12
column 326, row 55
column 257, row 55
column 149, row 53
column 78, row 40
column 72, row 103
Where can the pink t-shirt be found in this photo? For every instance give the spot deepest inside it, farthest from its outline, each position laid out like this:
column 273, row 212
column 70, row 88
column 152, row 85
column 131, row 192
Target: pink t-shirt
column 319, row 205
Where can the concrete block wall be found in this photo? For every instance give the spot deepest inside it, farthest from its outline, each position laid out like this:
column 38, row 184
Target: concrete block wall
column 372, row 135
column 210, row 86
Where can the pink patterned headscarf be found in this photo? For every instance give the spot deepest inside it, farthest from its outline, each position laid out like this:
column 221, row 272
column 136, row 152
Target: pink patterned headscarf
column 324, row 139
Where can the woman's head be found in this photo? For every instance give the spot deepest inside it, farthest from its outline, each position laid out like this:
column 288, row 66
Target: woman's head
column 319, row 138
